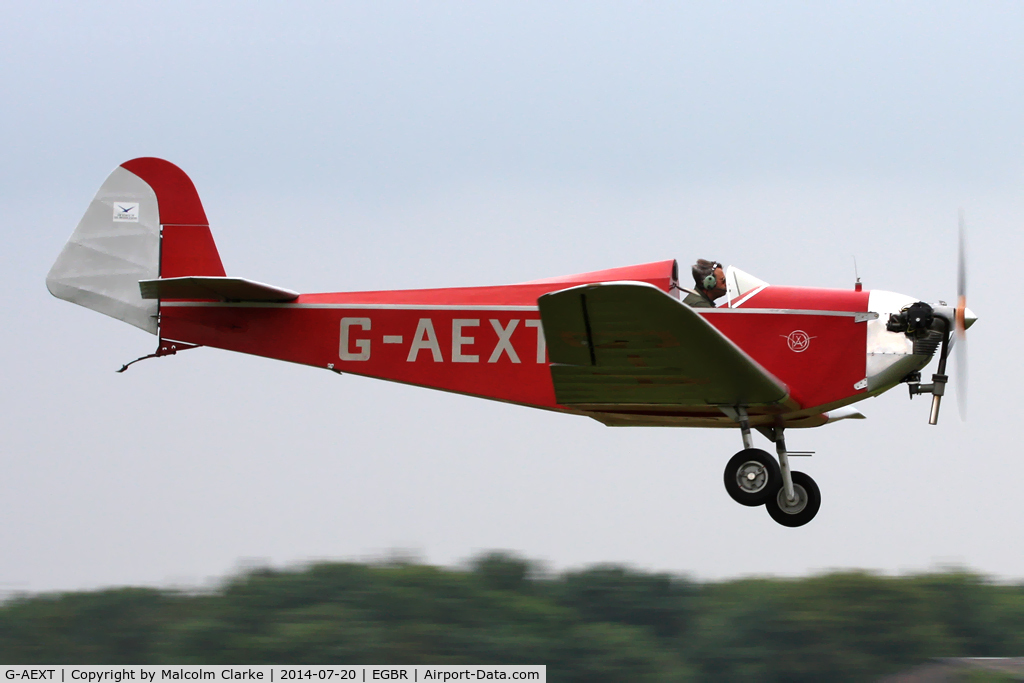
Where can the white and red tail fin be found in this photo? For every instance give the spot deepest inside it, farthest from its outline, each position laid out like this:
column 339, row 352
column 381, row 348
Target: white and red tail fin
column 146, row 222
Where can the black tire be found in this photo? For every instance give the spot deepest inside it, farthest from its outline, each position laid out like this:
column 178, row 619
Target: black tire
column 809, row 500
column 767, row 477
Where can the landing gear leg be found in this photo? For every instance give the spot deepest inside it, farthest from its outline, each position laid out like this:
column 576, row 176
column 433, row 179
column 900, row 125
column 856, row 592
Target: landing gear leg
column 787, row 477
column 798, row 499
column 748, row 442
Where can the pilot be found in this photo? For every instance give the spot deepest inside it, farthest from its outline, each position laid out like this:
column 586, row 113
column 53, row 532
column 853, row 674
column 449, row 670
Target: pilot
column 709, row 281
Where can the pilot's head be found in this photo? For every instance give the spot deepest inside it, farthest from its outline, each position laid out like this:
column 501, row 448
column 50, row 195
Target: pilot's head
column 709, row 278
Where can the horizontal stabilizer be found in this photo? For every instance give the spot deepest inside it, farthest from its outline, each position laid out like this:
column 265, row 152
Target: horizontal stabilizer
column 219, row 288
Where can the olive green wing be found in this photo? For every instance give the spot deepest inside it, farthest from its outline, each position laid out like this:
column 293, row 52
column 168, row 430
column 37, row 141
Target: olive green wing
column 631, row 344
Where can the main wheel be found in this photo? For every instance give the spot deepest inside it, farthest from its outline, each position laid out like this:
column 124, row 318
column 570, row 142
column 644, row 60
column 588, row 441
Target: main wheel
column 752, row 477
column 808, row 500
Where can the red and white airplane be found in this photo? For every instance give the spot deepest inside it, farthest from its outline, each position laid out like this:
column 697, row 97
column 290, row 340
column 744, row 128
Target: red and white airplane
column 617, row 345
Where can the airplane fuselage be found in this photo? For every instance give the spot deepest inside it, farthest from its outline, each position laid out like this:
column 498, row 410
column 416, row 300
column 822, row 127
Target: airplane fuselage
column 829, row 347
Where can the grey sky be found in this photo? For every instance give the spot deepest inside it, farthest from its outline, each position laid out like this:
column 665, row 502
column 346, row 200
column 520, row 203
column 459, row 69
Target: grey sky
column 343, row 146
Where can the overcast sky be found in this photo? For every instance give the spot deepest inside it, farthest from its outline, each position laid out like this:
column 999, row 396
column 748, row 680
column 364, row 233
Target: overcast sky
column 349, row 146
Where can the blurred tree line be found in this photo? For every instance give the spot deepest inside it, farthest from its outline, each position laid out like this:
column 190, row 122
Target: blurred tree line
column 605, row 623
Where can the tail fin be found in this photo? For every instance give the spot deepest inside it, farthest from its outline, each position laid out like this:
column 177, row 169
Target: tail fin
column 145, row 222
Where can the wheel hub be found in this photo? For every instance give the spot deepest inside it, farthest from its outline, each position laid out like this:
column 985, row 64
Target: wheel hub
column 795, row 507
column 751, row 477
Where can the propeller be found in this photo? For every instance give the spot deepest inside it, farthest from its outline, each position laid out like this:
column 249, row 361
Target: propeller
column 961, row 322
column 962, row 319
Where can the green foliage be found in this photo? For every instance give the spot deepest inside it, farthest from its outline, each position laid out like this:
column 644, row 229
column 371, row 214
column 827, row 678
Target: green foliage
column 659, row 602
column 851, row 626
column 605, row 623
column 502, row 571
column 116, row 626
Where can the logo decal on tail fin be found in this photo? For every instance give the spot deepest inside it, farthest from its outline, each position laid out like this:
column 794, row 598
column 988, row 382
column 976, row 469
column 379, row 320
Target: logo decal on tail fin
column 126, row 212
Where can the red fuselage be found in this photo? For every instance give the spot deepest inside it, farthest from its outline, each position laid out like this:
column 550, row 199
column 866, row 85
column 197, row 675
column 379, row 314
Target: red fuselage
column 488, row 341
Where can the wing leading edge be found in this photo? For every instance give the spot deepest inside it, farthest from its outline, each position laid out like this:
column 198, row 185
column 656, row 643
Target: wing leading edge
column 629, row 344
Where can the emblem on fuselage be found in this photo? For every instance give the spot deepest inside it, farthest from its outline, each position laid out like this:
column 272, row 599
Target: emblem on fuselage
column 798, row 341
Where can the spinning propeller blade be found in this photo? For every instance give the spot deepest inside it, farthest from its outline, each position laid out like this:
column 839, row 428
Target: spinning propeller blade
column 961, row 322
